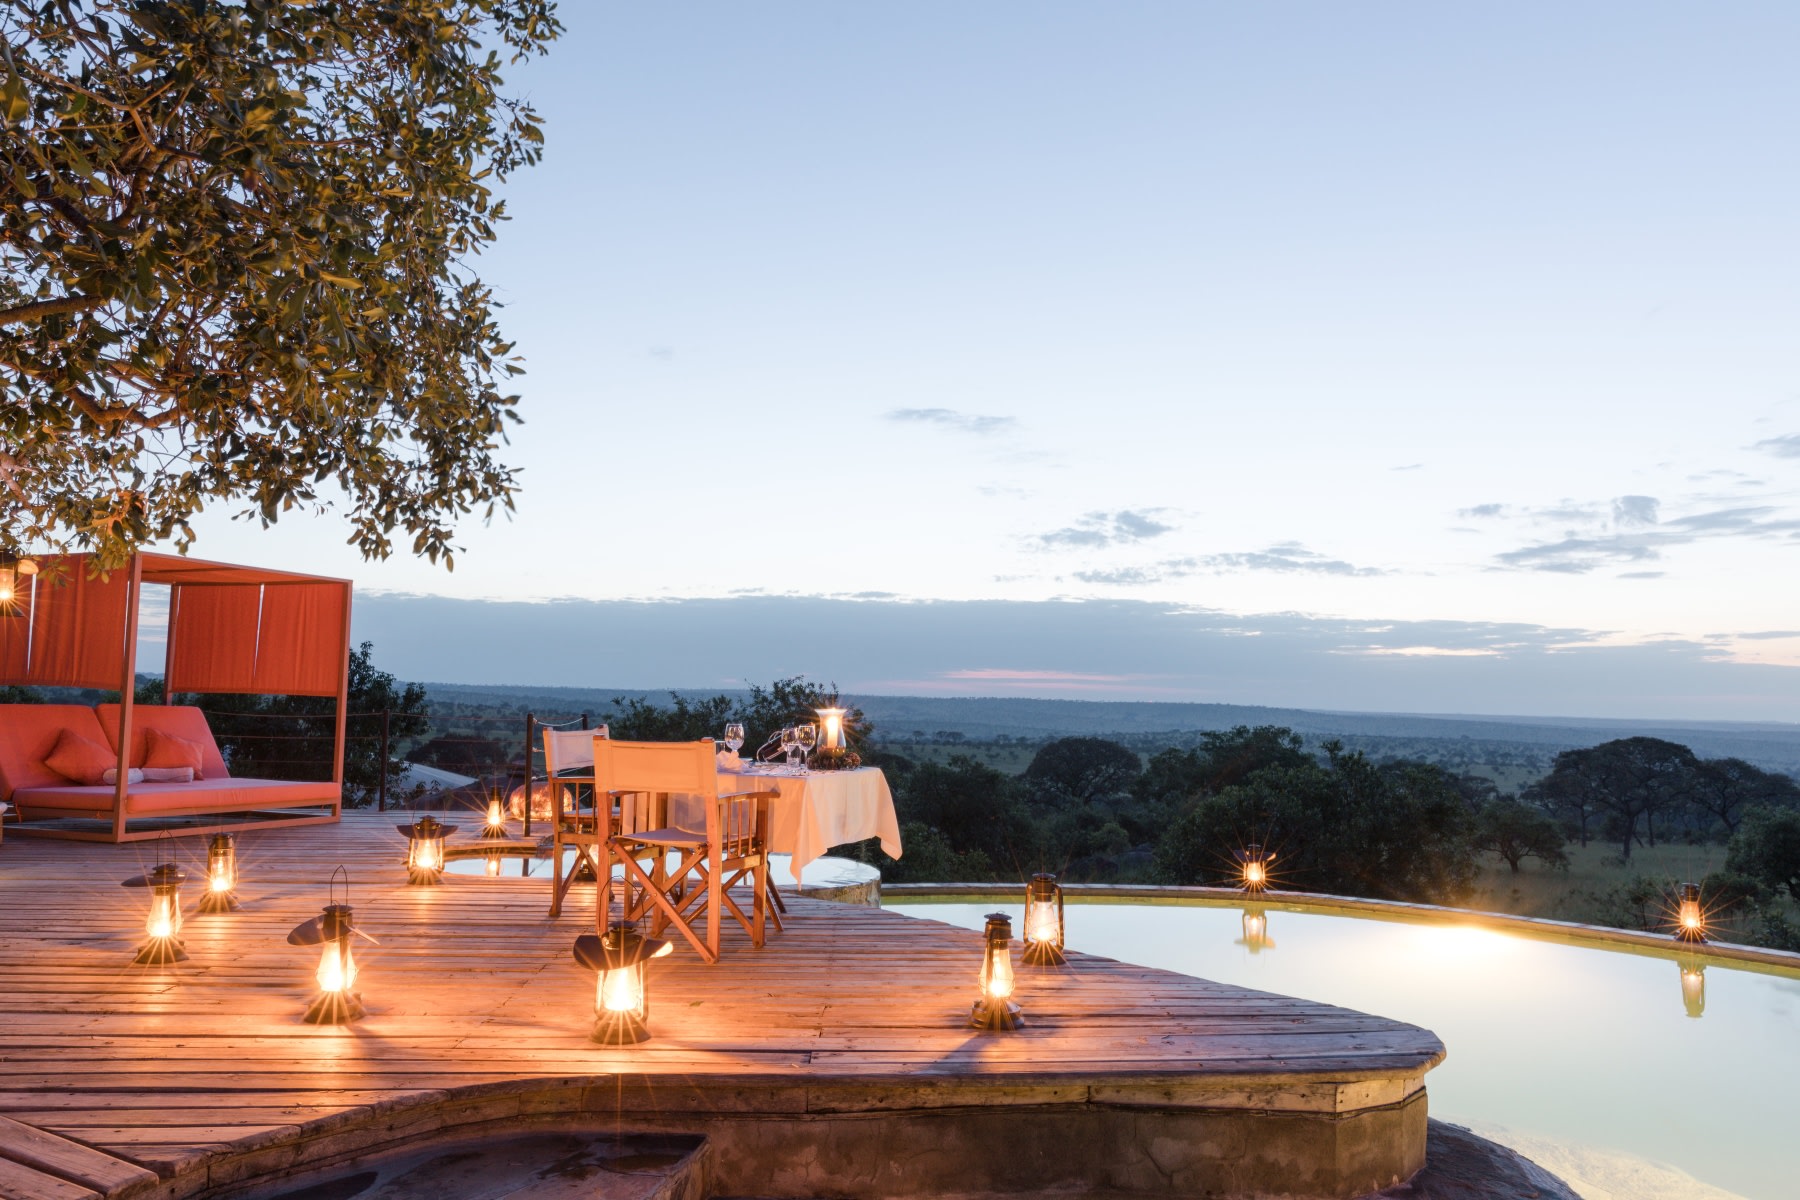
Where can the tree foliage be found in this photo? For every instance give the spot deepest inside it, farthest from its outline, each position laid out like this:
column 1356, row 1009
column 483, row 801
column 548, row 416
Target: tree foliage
column 1516, row 831
column 234, row 263
column 1628, row 781
column 784, row 702
column 1766, row 848
column 290, row 737
column 1397, row 831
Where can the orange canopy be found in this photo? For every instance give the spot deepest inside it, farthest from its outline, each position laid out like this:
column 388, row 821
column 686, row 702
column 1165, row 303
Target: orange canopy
column 231, row 628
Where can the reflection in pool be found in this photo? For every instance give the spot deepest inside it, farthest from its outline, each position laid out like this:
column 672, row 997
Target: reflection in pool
column 1557, row 1049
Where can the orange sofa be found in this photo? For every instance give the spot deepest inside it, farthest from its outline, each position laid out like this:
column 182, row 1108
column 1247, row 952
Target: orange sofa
column 28, row 733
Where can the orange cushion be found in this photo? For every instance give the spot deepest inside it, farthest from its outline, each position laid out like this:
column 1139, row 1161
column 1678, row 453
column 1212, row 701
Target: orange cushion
column 78, row 759
column 167, row 750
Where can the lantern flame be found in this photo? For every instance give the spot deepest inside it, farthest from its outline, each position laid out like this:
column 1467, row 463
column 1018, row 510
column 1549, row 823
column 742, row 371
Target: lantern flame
column 165, row 917
column 336, row 974
column 620, row 991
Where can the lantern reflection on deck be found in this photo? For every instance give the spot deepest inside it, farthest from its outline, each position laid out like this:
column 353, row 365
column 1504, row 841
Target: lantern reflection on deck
column 1253, row 868
column 335, row 1003
column 996, row 1009
column 1043, row 923
column 221, row 875
column 1256, row 931
column 425, row 850
column 621, row 990
column 162, row 926
column 1690, row 921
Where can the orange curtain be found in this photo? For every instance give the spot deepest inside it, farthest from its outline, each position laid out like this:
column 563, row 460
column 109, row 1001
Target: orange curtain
column 213, row 627
column 77, row 626
column 300, row 648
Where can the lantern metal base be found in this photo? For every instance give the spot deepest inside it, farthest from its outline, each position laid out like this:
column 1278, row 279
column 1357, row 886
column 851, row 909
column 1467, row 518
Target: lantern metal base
column 494, row 831
column 1043, row 954
column 419, row 877
column 1692, row 937
column 160, row 951
column 995, row 1014
column 620, row 1029
column 584, row 869
column 334, row 1008
column 218, row 902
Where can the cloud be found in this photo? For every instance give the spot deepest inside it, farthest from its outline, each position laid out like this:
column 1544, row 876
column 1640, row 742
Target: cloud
column 1786, row 446
column 1482, row 511
column 1634, row 510
column 1287, row 556
column 979, row 424
column 1771, row 634
column 1283, row 557
column 1642, row 574
column 1638, row 535
column 1098, row 529
column 1408, row 467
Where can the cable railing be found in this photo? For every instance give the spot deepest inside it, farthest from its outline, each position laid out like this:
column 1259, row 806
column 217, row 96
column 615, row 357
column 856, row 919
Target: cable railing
column 495, row 751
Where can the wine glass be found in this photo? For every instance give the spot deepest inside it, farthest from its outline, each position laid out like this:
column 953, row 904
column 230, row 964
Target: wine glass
column 788, row 742
column 806, row 736
column 734, row 736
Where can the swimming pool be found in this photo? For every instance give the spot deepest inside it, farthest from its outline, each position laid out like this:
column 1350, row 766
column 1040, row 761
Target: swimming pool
column 1584, row 1059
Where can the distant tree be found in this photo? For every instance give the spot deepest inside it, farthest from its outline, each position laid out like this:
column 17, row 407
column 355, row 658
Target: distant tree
column 1397, row 831
column 1516, row 831
column 1766, row 848
column 1726, row 787
column 466, row 753
column 13, row 694
column 1082, row 769
column 974, row 807
column 1222, row 758
column 684, row 720
column 1629, row 781
column 290, row 737
column 235, row 247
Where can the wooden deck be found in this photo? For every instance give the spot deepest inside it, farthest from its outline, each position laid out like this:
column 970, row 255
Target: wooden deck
column 118, row 1080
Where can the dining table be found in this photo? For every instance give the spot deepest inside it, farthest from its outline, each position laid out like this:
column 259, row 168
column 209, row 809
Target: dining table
column 813, row 811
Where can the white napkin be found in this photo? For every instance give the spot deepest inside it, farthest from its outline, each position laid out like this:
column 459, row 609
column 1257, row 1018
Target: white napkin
column 729, row 761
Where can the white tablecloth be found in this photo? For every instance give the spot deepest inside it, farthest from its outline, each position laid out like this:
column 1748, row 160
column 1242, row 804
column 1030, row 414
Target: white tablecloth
column 815, row 811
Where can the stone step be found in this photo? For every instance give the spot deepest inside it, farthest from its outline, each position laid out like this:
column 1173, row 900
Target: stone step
column 532, row 1166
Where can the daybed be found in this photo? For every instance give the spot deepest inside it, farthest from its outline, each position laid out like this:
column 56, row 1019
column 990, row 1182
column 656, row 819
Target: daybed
column 233, row 629
column 29, row 733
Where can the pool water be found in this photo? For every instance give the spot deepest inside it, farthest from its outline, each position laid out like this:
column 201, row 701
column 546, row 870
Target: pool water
column 1583, row 1058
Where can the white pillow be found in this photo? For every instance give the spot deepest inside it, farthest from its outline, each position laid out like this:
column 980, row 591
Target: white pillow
column 133, row 775
column 168, row 774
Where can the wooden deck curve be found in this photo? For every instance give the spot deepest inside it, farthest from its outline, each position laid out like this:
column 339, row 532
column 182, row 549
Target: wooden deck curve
column 118, row 1080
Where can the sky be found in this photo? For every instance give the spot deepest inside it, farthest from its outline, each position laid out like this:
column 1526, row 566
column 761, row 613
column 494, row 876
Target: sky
column 1469, row 338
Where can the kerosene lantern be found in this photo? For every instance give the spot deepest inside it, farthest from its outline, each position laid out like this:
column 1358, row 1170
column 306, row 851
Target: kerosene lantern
column 621, row 989
column 425, row 850
column 221, row 875
column 1253, row 868
column 1043, row 923
column 995, row 1009
column 1690, row 920
column 162, row 926
column 335, row 1003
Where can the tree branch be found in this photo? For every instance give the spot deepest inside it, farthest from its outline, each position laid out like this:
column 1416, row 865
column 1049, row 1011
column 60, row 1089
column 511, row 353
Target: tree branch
column 38, row 309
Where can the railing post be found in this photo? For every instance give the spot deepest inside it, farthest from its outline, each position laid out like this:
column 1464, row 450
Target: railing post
column 530, row 720
column 381, row 788
column 584, row 720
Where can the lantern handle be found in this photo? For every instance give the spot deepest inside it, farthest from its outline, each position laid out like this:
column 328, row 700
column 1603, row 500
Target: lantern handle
column 331, row 887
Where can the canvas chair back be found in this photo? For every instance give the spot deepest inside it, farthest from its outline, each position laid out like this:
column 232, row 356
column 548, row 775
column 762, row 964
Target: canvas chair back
column 642, row 774
column 568, row 750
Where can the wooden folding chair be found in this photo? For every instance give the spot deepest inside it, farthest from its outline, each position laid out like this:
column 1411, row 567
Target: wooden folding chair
column 569, row 770
column 732, row 847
